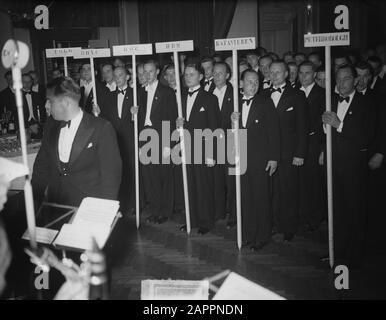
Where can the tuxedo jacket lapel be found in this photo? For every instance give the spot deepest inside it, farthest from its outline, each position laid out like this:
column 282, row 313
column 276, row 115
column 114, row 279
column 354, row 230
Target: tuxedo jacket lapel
column 283, row 99
column 81, row 138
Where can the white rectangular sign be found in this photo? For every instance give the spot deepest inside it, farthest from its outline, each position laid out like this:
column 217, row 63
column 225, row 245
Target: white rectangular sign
column 327, row 39
column 246, row 43
column 92, row 53
column 174, row 46
column 133, row 49
column 61, row 52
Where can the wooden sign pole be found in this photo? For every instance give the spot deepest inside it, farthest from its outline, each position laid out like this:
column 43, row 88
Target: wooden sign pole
column 234, row 45
column 175, row 47
column 133, row 50
column 327, row 40
column 91, row 54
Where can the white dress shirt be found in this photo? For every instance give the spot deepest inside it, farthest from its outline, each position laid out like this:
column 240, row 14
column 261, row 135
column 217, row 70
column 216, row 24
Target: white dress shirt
column 275, row 96
column 342, row 110
column 67, row 136
column 28, row 97
column 87, row 87
column 190, row 101
column 308, row 89
column 111, row 86
column 220, row 93
column 245, row 112
column 150, row 96
column 207, row 86
column 120, row 99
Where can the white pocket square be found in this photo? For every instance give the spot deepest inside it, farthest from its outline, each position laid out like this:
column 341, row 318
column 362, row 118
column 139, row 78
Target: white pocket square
column 89, row 145
column 256, row 121
column 290, row 109
column 202, row 109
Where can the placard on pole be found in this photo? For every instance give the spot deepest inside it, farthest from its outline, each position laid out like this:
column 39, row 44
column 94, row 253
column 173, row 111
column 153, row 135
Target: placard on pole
column 134, row 50
column 235, row 44
column 62, row 53
column 175, row 47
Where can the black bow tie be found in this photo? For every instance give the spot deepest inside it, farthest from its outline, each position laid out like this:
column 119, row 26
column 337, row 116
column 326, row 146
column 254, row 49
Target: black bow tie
column 122, row 91
column 27, row 92
column 266, row 81
column 347, row 99
column 208, row 82
column 274, row 90
column 247, row 101
column 65, row 123
column 193, row 92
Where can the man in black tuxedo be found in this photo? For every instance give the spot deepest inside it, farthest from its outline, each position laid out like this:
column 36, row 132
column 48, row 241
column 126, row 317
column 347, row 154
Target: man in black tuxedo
column 200, row 111
column 224, row 192
column 116, row 109
column 207, row 83
column 310, row 175
column 291, row 107
column 293, row 75
column 38, row 87
column 79, row 156
column 260, row 119
column 352, row 122
column 157, row 107
column 86, row 101
column 378, row 84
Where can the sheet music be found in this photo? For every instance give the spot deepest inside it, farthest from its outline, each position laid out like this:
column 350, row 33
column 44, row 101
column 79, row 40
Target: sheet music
column 93, row 219
column 43, row 235
column 77, row 236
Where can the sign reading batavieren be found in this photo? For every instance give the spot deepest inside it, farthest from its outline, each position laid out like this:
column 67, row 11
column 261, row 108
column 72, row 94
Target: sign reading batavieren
column 327, row 39
column 247, row 43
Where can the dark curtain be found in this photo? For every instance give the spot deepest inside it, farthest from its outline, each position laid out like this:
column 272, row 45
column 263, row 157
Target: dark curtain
column 223, row 16
column 169, row 20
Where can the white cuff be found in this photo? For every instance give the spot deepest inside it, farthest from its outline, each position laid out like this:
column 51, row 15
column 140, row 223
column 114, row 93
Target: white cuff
column 340, row 127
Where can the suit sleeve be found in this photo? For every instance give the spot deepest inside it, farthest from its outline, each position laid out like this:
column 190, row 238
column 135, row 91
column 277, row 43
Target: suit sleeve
column 301, row 126
column 273, row 128
column 110, row 163
column 42, row 166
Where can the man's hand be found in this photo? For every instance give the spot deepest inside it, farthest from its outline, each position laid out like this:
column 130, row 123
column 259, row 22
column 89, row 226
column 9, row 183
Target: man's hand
column 331, row 118
column 376, row 161
column 34, row 128
column 134, row 110
column 210, row 162
column 95, row 109
column 235, row 116
column 4, row 185
column 321, row 158
column 297, row 161
column 271, row 167
column 179, row 122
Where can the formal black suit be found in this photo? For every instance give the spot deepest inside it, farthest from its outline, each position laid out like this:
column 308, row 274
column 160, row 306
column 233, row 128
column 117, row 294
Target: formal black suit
column 86, row 103
column 311, row 188
column 204, row 115
column 37, row 108
column 158, row 177
column 93, row 170
column 376, row 195
column 349, row 159
column 124, row 128
column 263, row 144
column 293, row 143
column 224, row 187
